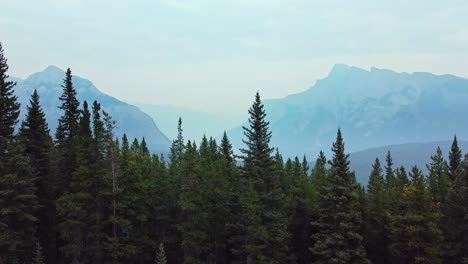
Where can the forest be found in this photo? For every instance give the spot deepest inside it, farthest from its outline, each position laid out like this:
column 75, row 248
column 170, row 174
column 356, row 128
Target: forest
column 79, row 194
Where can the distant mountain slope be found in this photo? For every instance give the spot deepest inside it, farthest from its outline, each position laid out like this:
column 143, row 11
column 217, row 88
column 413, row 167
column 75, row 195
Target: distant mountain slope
column 194, row 123
column 406, row 155
column 373, row 108
column 130, row 119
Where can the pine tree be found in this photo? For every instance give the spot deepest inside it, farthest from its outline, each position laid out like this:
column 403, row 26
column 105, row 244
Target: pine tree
column 318, row 177
column 66, row 134
column 455, row 158
column 100, row 187
column 161, row 255
column 234, row 225
column 194, row 220
column 339, row 220
column 455, row 218
column 392, row 189
column 271, row 237
column 389, row 174
column 9, row 108
column 18, row 200
column 76, row 206
column 176, row 153
column 414, row 233
column 300, row 213
column 438, row 179
column 401, row 178
column 35, row 135
column 375, row 217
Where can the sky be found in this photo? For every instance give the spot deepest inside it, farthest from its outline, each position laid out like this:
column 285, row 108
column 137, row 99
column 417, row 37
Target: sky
column 213, row 55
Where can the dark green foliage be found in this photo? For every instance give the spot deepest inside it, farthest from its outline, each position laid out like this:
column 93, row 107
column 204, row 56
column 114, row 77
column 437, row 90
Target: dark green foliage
column 9, row 107
column 414, row 233
column 18, row 200
column 318, row 177
column 90, row 199
column 66, row 135
column 455, row 159
column 438, row 178
column 339, row 218
column 455, row 218
column 194, row 221
column 270, row 233
column 76, row 207
column 300, row 212
column 19, row 204
column 375, row 216
column 389, row 174
column 34, row 133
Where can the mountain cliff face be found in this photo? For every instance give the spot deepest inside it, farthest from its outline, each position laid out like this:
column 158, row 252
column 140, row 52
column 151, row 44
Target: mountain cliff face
column 130, row 119
column 372, row 108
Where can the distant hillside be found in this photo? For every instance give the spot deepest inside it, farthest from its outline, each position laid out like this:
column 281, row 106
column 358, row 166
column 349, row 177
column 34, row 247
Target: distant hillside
column 129, row 118
column 406, row 155
column 373, row 108
column 195, row 123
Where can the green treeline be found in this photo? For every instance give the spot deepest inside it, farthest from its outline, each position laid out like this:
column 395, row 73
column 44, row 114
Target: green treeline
column 85, row 196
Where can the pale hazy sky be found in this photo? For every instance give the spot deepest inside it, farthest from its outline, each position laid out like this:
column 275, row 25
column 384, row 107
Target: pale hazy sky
column 213, row 55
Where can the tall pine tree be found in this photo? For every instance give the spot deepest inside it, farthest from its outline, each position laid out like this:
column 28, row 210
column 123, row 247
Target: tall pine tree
column 455, row 217
column 339, row 218
column 414, row 233
column 438, row 178
column 35, row 136
column 375, row 217
column 270, row 244
column 66, row 134
column 455, row 159
column 18, row 200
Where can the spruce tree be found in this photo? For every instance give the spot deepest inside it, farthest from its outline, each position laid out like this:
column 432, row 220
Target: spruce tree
column 9, row 108
column 66, row 134
column 339, row 217
column 176, row 152
column 392, row 189
column 76, row 207
column 18, row 200
column 270, row 245
column 438, row 178
column 455, row 159
column 35, row 135
column 375, row 217
column 389, row 174
column 455, row 215
column 318, row 177
column 300, row 214
column 194, row 221
column 415, row 236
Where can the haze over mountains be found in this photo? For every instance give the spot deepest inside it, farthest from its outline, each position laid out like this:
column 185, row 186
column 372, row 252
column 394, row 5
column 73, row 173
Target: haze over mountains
column 195, row 123
column 373, row 108
column 129, row 119
column 377, row 110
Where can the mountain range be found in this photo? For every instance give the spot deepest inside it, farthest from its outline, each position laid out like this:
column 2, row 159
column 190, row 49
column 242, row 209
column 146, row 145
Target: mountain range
column 377, row 110
column 129, row 118
column 373, row 108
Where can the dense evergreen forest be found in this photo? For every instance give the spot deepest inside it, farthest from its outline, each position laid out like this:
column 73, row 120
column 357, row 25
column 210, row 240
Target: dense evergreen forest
column 84, row 196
